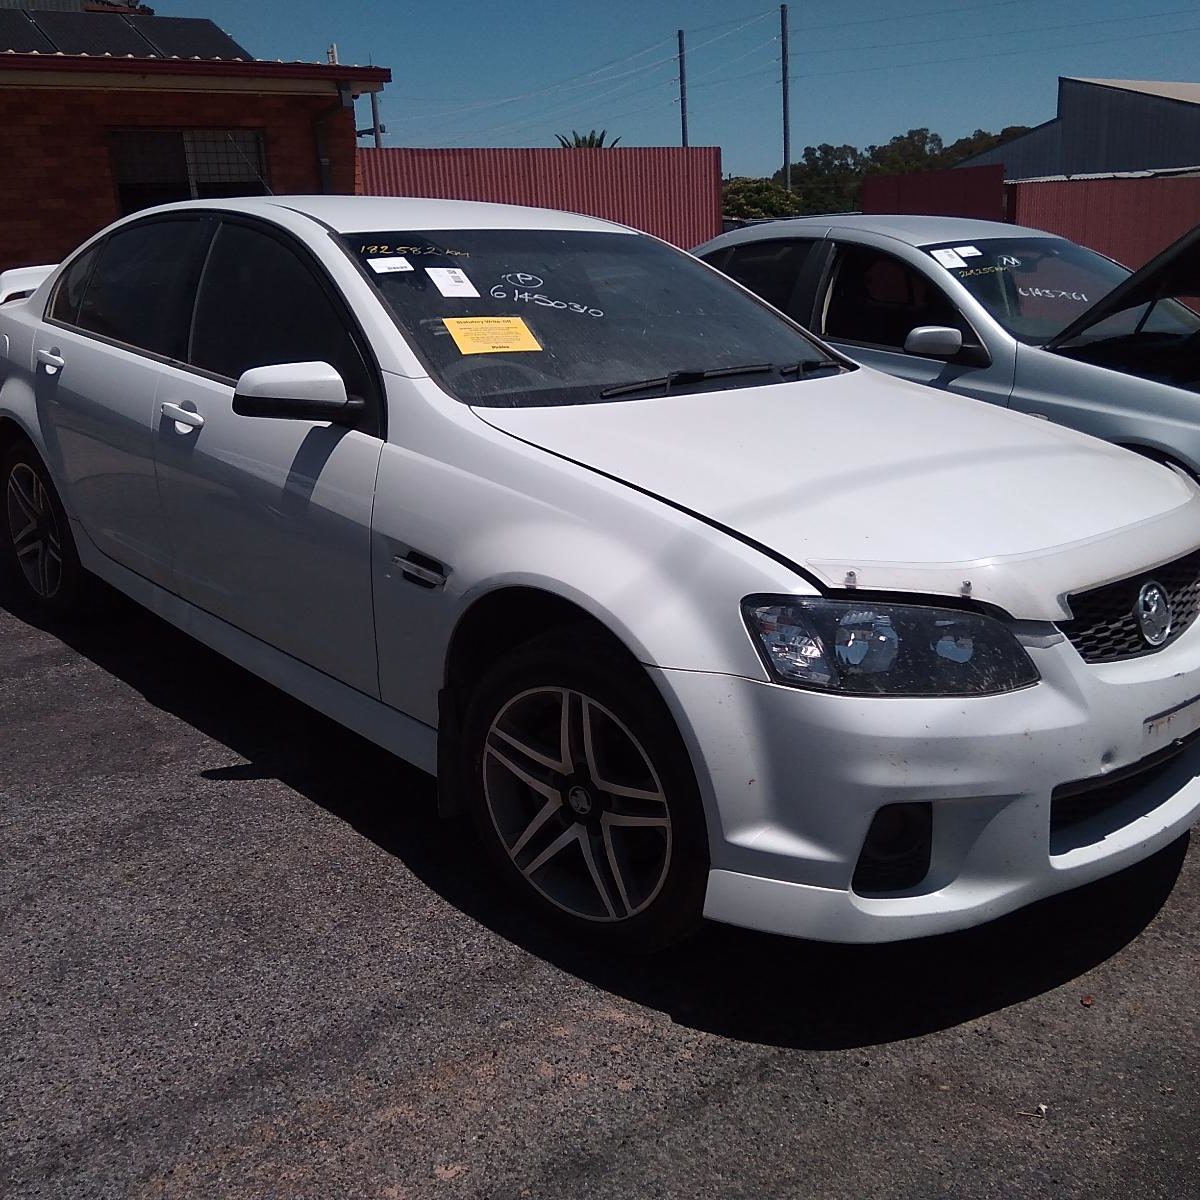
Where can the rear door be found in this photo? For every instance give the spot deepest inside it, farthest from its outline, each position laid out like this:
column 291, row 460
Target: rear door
column 270, row 519
column 775, row 269
column 118, row 316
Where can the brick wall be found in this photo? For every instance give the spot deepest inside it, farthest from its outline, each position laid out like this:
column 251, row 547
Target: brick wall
column 56, row 181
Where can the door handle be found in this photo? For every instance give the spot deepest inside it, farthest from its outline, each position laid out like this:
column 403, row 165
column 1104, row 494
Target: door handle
column 182, row 416
column 51, row 360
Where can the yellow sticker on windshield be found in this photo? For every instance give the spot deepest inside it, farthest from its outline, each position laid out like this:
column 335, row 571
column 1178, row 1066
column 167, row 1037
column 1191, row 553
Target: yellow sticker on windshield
column 490, row 335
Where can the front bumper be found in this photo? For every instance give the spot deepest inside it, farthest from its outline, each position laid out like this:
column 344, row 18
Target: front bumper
column 792, row 780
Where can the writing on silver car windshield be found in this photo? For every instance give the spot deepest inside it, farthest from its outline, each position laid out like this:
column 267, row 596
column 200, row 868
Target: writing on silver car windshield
column 1036, row 287
column 536, row 317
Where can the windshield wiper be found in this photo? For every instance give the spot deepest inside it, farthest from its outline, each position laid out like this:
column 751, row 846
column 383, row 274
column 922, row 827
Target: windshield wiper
column 810, row 366
column 669, row 380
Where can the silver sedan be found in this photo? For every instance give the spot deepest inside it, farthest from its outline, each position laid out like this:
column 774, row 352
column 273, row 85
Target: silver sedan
column 1014, row 316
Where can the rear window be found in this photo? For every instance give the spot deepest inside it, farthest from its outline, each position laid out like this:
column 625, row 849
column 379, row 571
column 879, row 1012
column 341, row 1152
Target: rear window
column 518, row 318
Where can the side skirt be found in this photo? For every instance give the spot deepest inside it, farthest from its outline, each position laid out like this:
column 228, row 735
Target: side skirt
column 403, row 736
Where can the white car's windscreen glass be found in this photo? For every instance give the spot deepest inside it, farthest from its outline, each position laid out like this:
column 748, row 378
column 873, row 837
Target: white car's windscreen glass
column 516, row 317
column 1036, row 287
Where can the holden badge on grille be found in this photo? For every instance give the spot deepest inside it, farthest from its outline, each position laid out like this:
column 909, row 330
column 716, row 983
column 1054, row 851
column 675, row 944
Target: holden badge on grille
column 1153, row 613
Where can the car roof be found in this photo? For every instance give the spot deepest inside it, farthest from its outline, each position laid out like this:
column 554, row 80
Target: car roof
column 913, row 230
column 362, row 214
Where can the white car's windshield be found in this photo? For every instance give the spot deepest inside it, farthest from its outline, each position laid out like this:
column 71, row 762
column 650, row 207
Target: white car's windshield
column 1035, row 288
column 525, row 317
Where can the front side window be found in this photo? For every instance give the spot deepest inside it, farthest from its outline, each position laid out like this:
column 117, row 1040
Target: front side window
column 260, row 305
column 877, row 299
column 523, row 317
column 1036, row 287
column 770, row 269
column 141, row 289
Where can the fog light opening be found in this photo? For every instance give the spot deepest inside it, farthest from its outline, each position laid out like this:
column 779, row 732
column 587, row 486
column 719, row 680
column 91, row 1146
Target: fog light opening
column 895, row 855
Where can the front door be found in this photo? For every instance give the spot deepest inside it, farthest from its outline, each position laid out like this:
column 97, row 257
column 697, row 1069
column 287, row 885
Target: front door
column 872, row 300
column 270, row 519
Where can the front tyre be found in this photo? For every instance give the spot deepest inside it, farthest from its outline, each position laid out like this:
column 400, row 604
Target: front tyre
column 36, row 546
column 583, row 793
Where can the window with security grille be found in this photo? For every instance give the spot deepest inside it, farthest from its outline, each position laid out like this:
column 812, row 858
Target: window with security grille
column 161, row 166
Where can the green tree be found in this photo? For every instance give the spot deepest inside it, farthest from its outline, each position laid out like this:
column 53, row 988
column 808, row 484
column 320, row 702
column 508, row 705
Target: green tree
column 916, row 150
column 750, row 198
column 978, row 142
column 827, row 178
column 586, row 141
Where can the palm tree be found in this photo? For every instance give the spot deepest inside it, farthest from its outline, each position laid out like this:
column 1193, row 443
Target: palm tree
column 586, row 141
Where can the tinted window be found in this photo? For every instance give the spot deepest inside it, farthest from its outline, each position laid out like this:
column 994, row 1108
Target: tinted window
column 1036, row 287
column 515, row 317
column 769, row 269
column 878, row 299
column 70, row 288
column 260, row 304
column 140, row 292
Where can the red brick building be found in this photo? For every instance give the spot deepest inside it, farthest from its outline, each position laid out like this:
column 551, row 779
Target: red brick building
column 103, row 113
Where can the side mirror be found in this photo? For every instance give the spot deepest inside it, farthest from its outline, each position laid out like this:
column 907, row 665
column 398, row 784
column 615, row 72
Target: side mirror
column 934, row 341
column 307, row 391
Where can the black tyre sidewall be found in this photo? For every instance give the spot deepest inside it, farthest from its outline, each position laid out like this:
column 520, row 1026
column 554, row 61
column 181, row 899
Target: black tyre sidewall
column 597, row 668
column 66, row 601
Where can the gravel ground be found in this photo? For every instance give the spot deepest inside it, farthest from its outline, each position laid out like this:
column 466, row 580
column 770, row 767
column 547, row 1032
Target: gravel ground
column 241, row 958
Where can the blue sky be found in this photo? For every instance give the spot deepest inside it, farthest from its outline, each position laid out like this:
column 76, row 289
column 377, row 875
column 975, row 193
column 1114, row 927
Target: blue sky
column 488, row 73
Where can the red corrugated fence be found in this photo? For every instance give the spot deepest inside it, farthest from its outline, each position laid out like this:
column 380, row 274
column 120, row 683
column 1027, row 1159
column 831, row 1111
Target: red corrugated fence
column 673, row 193
column 1130, row 220
column 958, row 192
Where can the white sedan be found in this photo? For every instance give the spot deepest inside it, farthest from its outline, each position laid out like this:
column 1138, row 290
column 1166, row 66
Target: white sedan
column 693, row 616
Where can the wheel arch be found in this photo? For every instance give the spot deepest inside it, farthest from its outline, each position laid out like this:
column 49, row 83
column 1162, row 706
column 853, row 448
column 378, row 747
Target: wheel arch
column 522, row 612
column 13, row 431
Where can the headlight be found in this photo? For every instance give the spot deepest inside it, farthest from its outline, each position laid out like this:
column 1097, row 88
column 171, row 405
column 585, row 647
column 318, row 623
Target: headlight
column 866, row 648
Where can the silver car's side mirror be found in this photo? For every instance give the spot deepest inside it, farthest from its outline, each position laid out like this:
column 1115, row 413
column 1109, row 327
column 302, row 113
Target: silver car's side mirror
column 934, row 341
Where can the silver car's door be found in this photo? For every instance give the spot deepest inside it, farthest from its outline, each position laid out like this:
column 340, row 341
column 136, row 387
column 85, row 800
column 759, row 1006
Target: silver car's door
column 270, row 519
column 872, row 299
column 118, row 315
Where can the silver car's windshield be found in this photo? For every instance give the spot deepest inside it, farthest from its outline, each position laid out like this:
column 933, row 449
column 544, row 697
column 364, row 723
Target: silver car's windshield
column 529, row 317
column 1035, row 288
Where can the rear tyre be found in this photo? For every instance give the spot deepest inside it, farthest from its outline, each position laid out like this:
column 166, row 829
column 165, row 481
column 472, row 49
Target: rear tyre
column 36, row 547
column 583, row 794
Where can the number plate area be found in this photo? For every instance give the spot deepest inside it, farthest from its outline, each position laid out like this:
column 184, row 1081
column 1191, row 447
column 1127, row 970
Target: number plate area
column 1166, row 727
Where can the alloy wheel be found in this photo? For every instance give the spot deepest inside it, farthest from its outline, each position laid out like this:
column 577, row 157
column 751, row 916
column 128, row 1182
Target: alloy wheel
column 577, row 804
column 34, row 531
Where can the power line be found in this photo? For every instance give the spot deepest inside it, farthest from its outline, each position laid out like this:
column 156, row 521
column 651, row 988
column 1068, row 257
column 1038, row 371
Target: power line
column 521, row 123
column 955, row 38
column 670, row 58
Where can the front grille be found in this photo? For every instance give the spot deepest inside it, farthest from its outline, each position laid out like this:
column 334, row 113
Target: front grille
column 1104, row 628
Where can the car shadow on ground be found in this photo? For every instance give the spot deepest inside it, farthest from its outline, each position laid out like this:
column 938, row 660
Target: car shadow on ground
column 749, row 986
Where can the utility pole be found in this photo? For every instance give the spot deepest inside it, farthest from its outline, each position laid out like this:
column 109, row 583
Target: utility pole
column 787, row 124
column 376, row 128
column 682, row 93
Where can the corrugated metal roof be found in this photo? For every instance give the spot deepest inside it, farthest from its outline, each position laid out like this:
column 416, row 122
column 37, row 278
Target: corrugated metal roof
column 671, row 192
column 1189, row 93
column 1160, row 173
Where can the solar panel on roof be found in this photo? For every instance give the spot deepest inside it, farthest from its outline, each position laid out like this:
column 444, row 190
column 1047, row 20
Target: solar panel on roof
column 188, row 37
column 18, row 32
column 92, row 33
